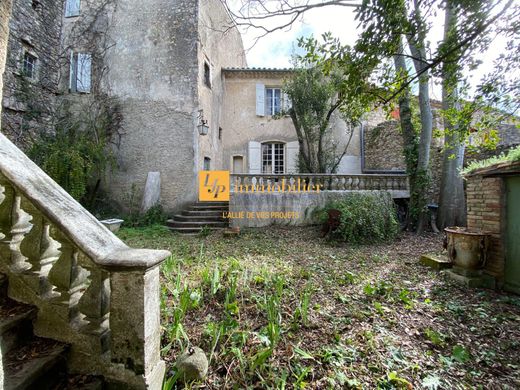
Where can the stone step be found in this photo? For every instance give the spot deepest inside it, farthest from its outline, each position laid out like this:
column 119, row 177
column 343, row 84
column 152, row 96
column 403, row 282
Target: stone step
column 192, row 230
column 15, row 324
column 209, row 207
column 221, row 204
column 36, row 365
column 217, row 213
column 196, row 224
column 197, row 217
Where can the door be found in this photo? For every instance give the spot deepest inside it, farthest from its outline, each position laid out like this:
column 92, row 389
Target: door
column 512, row 265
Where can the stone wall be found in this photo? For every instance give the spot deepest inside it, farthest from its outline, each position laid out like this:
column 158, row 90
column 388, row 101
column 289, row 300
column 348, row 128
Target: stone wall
column 219, row 47
column 383, row 151
column 283, row 208
column 28, row 103
column 486, row 211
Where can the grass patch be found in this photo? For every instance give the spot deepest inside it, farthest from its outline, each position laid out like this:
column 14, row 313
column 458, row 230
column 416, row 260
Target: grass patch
column 512, row 155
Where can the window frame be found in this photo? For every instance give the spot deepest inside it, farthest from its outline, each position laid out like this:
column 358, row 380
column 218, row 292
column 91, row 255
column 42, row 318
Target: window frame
column 33, row 73
column 273, row 155
column 270, row 109
column 75, row 72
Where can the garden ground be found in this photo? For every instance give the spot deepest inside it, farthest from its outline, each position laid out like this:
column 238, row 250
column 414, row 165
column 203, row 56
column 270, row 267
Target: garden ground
column 282, row 308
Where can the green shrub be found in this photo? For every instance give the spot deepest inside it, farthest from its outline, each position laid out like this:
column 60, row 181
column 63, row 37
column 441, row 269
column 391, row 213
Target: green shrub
column 366, row 218
column 154, row 216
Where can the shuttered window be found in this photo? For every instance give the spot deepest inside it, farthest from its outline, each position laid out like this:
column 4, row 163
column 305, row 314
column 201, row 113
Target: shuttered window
column 72, row 8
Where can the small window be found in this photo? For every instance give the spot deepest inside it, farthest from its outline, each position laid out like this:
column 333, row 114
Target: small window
column 207, row 74
column 220, row 133
column 36, row 5
column 207, row 163
column 80, row 72
column 273, row 101
column 29, row 65
column 238, row 164
column 72, row 8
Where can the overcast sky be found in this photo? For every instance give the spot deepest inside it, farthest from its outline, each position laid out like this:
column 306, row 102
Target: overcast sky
column 275, row 50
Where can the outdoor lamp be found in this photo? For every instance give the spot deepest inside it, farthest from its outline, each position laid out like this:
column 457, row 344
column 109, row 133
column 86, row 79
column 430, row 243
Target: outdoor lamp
column 203, row 124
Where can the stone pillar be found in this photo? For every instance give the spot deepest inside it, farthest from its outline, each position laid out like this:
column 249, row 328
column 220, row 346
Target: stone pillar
column 135, row 325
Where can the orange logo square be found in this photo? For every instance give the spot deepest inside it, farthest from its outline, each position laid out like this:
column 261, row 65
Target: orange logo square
column 214, row 186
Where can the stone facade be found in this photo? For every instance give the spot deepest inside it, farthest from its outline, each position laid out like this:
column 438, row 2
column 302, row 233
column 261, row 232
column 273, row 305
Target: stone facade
column 242, row 124
column 485, row 211
column 30, row 89
column 156, row 73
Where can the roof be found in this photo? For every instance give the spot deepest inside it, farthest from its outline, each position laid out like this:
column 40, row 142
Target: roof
column 499, row 169
column 282, row 70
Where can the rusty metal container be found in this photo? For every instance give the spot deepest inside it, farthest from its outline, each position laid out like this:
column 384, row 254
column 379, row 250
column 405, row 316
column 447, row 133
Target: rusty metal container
column 467, row 249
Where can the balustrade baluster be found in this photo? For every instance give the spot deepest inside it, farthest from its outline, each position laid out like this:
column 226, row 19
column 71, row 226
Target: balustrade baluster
column 21, row 227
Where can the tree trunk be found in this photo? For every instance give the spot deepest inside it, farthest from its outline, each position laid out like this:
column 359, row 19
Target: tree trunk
column 423, row 181
column 409, row 138
column 452, row 207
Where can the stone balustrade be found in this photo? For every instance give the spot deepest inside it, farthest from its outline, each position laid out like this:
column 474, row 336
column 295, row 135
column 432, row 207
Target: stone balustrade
column 91, row 290
column 326, row 182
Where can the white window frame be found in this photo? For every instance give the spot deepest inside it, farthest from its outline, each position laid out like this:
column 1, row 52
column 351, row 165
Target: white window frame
column 80, row 78
column 270, row 109
column 272, row 154
column 72, row 8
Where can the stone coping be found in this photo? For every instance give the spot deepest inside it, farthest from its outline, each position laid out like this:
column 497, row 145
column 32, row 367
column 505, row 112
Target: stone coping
column 81, row 227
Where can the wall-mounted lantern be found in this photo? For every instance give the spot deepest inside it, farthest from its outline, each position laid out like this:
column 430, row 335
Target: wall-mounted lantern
column 203, row 124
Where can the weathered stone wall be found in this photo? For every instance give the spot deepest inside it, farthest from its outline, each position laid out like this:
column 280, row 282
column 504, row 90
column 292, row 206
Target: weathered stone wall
column 383, row 147
column 486, row 211
column 35, row 27
column 153, row 70
column 219, row 47
column 282, row 208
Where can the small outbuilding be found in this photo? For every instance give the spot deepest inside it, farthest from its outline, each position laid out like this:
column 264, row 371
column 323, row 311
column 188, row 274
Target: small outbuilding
column 493, row 205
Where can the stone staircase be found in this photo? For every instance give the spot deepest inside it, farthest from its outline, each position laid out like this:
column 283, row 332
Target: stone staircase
column 31, row 362
column 199, row 216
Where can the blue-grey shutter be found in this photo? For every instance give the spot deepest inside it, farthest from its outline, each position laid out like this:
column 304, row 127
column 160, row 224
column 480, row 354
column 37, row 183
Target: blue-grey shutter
column 260, row 99
column 254, row 157
column 292, row 149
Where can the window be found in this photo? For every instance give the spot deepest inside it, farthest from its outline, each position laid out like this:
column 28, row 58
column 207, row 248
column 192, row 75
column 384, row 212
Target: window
column 72, row 8
column 80, row 72
column 273, row 158
column 273, row 101
column 220, row 133
column 207, row 163
column 207, row 74
column 29, row 65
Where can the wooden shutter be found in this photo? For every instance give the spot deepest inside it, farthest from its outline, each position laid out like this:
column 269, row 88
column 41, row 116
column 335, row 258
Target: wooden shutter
column 291, row 151
column 260, row 99
column 84, row 72
column 254, row 157
column 287, row 104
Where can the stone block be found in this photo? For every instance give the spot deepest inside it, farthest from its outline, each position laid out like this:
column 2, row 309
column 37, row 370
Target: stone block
column 435, row 261
column 480, row 280
column 152, row 191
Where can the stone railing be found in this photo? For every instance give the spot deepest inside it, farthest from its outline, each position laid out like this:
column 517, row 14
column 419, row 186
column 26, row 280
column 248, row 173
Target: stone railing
column 327, row 182
column 91, row 290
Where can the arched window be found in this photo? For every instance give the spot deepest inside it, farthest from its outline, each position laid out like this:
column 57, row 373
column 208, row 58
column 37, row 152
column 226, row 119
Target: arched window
column 273, row 157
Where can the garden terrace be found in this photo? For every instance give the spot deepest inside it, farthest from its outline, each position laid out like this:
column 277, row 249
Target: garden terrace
column 282, row 308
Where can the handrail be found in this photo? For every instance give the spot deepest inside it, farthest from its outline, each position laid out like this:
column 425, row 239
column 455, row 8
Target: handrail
column 91, row 290
column 81, row 227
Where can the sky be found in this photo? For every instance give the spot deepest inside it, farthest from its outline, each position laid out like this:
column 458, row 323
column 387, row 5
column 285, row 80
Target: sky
column 276, row 49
